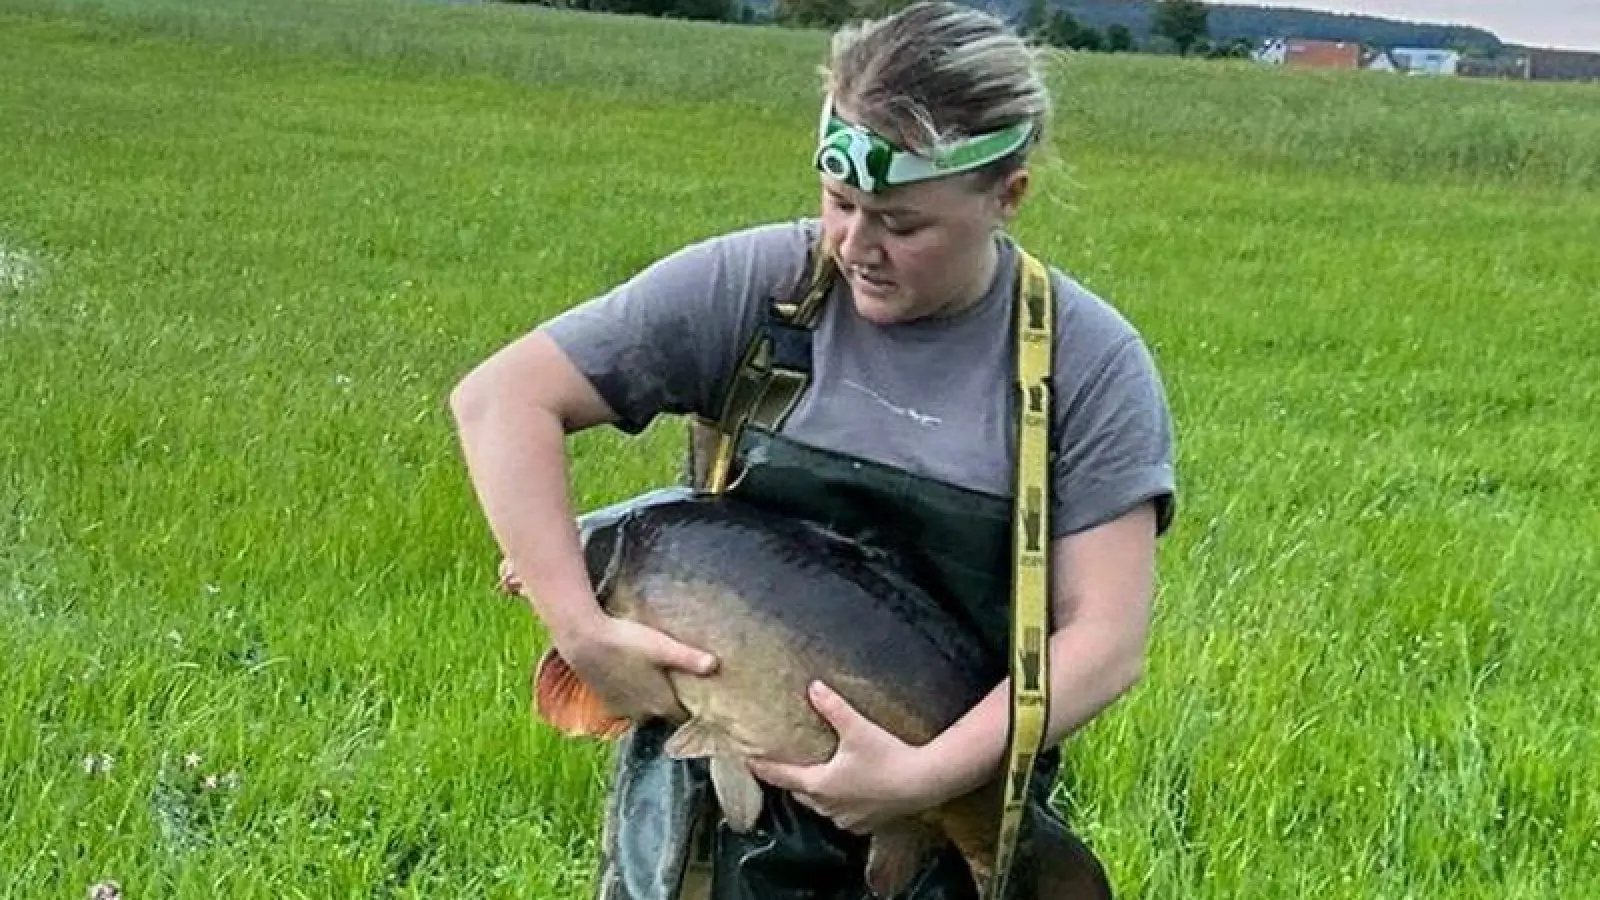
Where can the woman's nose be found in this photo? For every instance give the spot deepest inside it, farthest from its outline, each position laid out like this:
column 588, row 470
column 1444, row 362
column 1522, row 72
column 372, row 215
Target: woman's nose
column 857, row 244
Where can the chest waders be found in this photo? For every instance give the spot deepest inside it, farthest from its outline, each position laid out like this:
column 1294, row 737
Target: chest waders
column 662, row 839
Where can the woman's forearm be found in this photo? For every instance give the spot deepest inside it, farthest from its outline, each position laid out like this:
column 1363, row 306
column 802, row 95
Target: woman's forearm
column 515, row 456
column 1101, row 590
column 1092, row 663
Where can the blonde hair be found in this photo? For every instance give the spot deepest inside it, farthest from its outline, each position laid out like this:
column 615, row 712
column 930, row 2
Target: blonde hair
column 936, row 72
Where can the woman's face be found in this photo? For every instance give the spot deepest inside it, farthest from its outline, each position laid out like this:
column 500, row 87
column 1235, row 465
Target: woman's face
column 916, row 250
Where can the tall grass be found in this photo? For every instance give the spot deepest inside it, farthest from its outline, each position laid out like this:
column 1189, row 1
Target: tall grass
column 1363, row 123
column 251, row 647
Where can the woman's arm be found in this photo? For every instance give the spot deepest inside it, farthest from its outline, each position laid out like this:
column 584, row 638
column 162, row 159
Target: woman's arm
column 1102, row 583
column 513, row 414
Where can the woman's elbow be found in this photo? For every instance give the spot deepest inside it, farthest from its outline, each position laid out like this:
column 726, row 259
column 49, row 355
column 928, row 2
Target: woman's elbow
column 471, row 397
column 1129, row 669
column 488, row 386
column 531, row 380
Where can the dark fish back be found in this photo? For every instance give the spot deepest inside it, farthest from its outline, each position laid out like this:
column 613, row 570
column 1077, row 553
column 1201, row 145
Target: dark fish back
column 813, row 581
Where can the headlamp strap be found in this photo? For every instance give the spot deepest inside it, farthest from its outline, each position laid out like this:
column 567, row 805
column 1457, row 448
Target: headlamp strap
column 867, row 160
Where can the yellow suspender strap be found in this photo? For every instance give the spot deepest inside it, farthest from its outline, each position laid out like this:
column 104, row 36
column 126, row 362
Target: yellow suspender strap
column 1030, row 664
column 762, row 391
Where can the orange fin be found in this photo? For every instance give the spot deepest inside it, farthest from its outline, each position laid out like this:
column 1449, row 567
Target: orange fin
column 562, row 699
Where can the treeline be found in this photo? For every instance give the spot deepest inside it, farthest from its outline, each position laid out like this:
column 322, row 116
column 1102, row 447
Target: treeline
column 798, row 13
column 1169, row 24
column 1190, row 27
column 1228, row 24
column 1182, row 26
column 701, row 10
column 1256, row 23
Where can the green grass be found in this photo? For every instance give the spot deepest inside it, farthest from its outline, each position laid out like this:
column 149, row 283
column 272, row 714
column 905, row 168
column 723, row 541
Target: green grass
column 246, row 249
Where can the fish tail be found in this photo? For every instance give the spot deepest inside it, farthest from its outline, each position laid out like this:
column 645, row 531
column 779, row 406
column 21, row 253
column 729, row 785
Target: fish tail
column 562, row 699
column 1064, row 866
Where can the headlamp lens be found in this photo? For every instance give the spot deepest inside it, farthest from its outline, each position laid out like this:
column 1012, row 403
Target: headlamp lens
column 834, row 162
column 846, row 154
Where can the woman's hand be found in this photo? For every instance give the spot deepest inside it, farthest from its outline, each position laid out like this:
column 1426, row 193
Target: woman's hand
column 873, row 777
column 623, row 662
column 626, row 664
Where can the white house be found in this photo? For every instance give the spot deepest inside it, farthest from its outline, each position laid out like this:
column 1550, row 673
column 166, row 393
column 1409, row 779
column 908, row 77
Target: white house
column 1381, row 61
column 1426, row 61
column 1272, row 51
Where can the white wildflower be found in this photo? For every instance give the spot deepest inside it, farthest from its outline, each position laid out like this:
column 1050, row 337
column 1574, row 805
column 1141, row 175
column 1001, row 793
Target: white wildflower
column 98, row 763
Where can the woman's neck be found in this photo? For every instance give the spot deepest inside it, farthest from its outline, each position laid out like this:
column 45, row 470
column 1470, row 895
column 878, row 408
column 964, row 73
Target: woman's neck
column 976, row 288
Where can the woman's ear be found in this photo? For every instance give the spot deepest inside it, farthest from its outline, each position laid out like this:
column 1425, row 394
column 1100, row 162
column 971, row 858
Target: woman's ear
column 1011, row 193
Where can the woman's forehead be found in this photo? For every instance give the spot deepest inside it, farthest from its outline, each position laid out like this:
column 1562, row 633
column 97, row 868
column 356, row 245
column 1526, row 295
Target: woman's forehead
column 921, row 198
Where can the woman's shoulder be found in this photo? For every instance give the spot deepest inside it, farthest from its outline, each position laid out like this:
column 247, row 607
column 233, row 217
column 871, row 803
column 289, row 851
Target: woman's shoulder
column 1091, row 332
column 666, row 338
column 761, row 253
column 1113, row 440
column 707, row 279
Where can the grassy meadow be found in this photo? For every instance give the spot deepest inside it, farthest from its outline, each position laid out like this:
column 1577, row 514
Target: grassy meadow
column 250, row 640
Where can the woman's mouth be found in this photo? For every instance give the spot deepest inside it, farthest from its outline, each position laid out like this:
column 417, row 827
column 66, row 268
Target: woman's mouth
column 873, row 284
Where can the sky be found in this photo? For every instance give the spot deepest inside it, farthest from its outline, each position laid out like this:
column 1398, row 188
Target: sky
column 1568, row 24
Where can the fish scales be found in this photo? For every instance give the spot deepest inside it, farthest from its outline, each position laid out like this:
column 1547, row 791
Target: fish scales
column 781, row 603
column 840, row 610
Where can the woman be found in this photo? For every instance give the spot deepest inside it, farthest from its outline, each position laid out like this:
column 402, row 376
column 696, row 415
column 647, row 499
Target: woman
column 906, row 416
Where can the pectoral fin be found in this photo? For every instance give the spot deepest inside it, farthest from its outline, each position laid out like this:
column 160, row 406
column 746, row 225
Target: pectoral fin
column 738, row 792
column 562, row 699
column 695, row 739
column 898, row 853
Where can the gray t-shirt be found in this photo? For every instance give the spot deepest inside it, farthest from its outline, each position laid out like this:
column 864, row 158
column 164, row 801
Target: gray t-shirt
column 931, row 397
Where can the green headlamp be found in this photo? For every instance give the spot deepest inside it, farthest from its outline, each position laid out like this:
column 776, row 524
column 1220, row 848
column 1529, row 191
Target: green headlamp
column 866, row 160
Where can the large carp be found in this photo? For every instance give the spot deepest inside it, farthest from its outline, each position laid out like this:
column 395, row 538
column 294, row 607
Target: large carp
column 781, row 603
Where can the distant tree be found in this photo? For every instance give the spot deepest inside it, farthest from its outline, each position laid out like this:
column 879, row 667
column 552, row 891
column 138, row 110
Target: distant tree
column 1089, row 40
column 1063, row 29
column 1119, row 38
column 711, row 10
column 1238, row 48
column 875, row 9
column 707, row 10
column 1036, row 18
column 1181, row 21
column 814, row 13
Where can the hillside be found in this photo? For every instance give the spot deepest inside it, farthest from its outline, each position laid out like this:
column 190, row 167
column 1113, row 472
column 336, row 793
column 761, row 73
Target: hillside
column 1254, row 23
column 1257, row 22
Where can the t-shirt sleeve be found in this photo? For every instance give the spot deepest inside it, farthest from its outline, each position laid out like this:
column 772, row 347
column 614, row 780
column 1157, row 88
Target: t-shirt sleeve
column 1115, row 442
column 666, row 340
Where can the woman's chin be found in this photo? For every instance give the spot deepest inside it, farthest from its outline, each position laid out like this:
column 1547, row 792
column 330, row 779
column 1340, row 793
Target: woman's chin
column 884, row 307
column 883, row 310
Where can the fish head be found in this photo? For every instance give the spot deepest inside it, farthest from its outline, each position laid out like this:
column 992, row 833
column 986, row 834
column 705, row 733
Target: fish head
column 611, row 558
column 607, row 536
column 560, row 696
column 600, row 538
